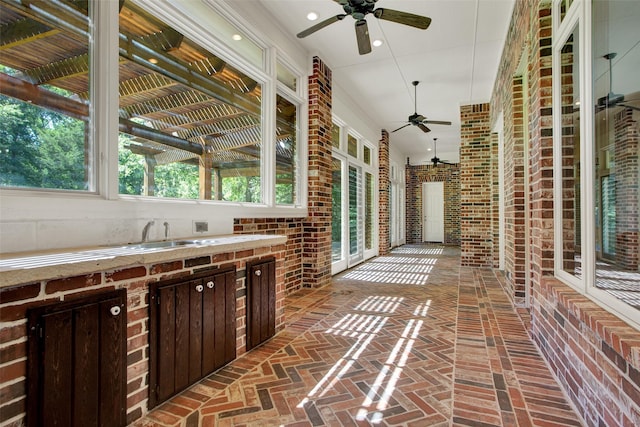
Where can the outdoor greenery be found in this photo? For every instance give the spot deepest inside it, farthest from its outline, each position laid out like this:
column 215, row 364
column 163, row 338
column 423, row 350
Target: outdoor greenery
column 40, row 148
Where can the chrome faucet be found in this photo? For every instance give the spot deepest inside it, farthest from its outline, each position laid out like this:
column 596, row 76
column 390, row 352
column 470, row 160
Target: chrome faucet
column 145, row 230
column 166, row 230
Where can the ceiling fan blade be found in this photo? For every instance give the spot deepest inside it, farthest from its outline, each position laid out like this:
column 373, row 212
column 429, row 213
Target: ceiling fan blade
column 362, row 35
column 424, row 128
column 405, row 18
column 437, row 122
column 625, row 105
column 401, row 127
column 320, row 25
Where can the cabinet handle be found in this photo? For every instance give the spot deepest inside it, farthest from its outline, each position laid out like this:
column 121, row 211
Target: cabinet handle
column 199, row 288
column 258, row 273
column 115, row 310
column 210, row 284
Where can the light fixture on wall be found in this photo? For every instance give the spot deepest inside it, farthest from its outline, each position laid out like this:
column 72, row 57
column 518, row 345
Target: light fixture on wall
column 312, row 16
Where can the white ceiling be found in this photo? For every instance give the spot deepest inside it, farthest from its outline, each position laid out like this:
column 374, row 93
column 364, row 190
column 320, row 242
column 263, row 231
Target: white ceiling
column 455, row 60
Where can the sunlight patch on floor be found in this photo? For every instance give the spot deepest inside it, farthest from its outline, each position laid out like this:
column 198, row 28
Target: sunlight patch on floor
column 365, row 328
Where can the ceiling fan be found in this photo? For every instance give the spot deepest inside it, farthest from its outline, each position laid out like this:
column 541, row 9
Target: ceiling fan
column 435, row 160
column 358, row 9
column 418, row 119
column 612, row 99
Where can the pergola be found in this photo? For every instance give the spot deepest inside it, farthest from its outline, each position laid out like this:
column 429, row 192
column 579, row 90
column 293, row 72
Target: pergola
column 178, row 102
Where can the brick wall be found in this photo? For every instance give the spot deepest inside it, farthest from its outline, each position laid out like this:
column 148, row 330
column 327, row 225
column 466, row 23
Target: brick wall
column 384, row 239
column 415, row 176
column 316, row 250
column 290, row 227
column 514, row 194
column 627, row 178
column 16, row 300
column 595, row 355
column 476, row 233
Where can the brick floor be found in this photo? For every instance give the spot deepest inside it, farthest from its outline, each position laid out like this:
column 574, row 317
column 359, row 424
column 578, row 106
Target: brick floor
column 409, row 339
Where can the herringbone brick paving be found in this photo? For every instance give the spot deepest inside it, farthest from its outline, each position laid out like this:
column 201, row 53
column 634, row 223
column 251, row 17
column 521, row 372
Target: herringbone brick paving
column 409, row 339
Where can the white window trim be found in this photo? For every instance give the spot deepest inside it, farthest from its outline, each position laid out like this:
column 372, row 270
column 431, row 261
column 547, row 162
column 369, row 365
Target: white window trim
column 580, row 14
column 88, row 218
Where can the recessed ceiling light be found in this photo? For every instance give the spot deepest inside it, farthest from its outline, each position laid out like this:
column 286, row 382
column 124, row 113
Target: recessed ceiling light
column 312, row 16
column 153, row 60
column 236, row 37
column 377, row 42
column 428, row 149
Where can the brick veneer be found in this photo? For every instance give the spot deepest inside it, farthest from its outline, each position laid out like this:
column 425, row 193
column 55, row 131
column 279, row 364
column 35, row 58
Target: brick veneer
column 514, row 194
column 476, row 229
column 16, row 300
column 290, row 227
column 450, row 176
column 316, row 251
column 384, row 206
column 595, row 355
column 627, row 178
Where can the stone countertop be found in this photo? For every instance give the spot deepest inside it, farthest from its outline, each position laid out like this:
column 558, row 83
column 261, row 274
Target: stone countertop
column 29, row 267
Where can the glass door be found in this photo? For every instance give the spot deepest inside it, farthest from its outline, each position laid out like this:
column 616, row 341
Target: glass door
column 356, row 215
column 338, row 229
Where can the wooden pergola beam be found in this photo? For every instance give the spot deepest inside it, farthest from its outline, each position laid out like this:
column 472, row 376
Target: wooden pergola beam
column 28, row 92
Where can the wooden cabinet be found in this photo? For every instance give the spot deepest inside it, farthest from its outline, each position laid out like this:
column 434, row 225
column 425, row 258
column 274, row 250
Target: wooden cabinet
column 192, row 330
column 261, row 301
column 76, row 365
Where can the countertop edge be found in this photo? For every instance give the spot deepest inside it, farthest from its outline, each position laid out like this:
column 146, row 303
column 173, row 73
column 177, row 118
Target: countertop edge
column 100, row 260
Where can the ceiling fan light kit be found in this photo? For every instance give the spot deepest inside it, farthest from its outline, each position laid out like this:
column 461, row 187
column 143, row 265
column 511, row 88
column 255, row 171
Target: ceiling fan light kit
column 358, row 10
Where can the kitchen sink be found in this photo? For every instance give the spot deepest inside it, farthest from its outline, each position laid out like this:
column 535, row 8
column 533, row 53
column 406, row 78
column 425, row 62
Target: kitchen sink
column 161, row 244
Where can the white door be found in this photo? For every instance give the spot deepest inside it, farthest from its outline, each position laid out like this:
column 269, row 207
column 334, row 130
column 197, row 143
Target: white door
column 433, row 210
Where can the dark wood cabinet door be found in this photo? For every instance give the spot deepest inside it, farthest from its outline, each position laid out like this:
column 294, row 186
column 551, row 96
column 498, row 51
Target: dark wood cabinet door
column 192, row 331
column 261, row 302
column 77, row 362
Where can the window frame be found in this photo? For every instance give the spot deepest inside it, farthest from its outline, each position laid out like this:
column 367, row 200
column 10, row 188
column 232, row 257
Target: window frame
column 26, row 226
column 103, row 172
column 579, row 14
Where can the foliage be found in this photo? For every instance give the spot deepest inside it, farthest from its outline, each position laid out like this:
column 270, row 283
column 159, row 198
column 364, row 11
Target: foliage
column 40, row 148
column 242, row 189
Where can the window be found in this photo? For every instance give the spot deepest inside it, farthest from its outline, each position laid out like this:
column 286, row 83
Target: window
column 191, row 110
column 286, row 151
column 352, row 146
column 45, row 97
column 366, row 155
column 369, row 188
column 286, row 76
column 190, row 123
column 596, row 142
column 335, row 136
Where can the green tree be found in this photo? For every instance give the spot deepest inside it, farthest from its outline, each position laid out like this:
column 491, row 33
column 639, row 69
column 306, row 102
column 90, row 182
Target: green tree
column 62, row 154
column 18, row 144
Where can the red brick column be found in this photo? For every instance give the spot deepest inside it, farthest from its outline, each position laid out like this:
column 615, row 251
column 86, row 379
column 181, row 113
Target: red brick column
column 316, row 251
column 514, row 193
column 476, row 232
column 384, row 204
column 540, row 146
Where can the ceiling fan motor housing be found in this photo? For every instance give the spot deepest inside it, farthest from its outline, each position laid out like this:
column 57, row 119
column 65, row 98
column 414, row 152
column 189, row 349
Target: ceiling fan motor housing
column 358, row 8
